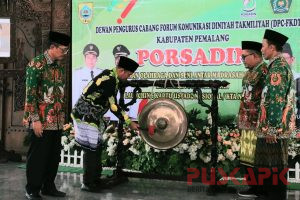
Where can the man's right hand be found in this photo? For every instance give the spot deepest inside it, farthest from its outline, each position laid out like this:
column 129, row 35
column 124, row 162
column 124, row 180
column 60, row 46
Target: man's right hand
column 37, row 128
column 134, row 126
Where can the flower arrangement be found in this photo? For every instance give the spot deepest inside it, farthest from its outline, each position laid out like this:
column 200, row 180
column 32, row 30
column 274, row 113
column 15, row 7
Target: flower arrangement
column 193, row 152
column 294, row 148
column 68, row 137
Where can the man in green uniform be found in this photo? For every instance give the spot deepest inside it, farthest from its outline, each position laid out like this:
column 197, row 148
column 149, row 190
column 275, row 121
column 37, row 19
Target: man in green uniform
column 44, row 116
column 253, row 83
column 277, row 114
column 97, row 98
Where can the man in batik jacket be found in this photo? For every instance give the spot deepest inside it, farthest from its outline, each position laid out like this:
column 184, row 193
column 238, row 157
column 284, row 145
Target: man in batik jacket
column 44, row 116
column 252, row 83
column 277, row 114
column 97, row 97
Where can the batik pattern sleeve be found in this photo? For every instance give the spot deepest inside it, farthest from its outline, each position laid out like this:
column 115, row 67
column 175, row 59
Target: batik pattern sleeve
column 277, row 99
column 116, row 110
column 33, row 74
column 109, row 84
column 98, row 97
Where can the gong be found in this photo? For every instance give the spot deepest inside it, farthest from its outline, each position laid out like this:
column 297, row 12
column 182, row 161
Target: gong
column 163, row 123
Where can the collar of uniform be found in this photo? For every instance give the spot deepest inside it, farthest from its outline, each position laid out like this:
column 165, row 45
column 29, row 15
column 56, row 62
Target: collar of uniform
column 258, row 65
column 48, row 58
column 88, row 69
column 273, row 59
column 96, row 70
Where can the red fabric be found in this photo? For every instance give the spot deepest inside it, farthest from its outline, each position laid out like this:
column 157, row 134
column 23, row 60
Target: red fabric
column 142, row 105
column 151, row 130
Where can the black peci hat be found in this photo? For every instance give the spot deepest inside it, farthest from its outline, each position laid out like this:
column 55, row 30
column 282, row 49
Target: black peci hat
column 120, row 50
column 128, row 64
column 91, row 49
column 276, row 37
column 59, row 38
column 251, row 45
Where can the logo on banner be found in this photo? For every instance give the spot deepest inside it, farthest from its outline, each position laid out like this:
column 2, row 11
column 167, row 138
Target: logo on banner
column 281, row 6
column 249, row 7
column 85, row 11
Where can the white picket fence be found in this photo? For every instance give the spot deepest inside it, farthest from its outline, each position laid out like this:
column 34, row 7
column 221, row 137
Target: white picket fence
column 294, row 174
column 69, row 159
column 293, row 193
column 76, row 160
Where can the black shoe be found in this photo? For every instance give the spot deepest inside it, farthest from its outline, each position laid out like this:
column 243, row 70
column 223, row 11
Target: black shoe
column 33, row 196
column 250, row 193
column 116, row 180
column 103, row 183
column 90, row 188
column 53, row 193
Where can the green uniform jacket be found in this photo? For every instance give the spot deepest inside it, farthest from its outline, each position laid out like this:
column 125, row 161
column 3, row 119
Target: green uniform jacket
column 277, row 113
column 253, row 83
column 45, row 100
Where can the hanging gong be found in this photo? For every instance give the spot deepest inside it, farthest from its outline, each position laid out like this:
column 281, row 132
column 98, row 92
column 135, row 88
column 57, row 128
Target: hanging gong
column 163, row 123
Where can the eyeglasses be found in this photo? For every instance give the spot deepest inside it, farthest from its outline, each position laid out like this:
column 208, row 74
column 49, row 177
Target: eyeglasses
column 64, row 50
column 245, row 56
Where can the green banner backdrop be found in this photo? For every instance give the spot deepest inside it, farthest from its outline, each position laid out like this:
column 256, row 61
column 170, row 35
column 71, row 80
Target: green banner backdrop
column 182, row 39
